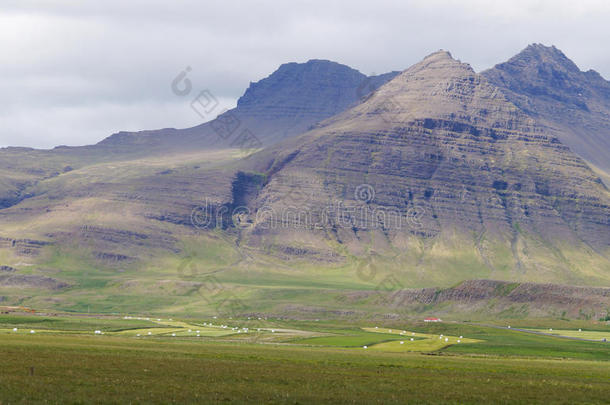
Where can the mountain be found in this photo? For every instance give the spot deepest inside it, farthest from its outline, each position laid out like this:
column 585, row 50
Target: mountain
column 114, row 219
column 495, row 193
column 575, row 105
column 433, row 178
column 287, row 103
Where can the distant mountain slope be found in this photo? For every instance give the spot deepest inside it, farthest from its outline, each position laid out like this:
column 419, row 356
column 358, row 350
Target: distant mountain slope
column 546, row 84
column 284, row 104
column 442, row 143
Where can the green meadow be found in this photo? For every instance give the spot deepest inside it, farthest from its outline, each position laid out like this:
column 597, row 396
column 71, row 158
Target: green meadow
column 278, row 361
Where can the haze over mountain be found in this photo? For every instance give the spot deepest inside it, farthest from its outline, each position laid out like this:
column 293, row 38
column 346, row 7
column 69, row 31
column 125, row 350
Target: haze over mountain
column 432, row 176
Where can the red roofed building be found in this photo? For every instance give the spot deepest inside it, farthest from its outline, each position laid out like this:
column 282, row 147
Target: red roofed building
column 432, row 319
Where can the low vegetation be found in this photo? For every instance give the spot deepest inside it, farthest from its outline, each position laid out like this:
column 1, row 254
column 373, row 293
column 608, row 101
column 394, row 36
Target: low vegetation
column 276, row 361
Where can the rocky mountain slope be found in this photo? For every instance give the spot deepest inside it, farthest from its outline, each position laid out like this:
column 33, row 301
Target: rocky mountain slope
column 449, row 167
column 543, row 82
column 285, row 104
column 434, row 178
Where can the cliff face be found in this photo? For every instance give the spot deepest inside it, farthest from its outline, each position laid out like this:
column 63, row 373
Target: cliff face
column 446, row 151
column 546, row 84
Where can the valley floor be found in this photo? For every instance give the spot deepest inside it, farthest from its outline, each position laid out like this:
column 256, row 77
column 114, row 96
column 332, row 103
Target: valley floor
column 139, row 360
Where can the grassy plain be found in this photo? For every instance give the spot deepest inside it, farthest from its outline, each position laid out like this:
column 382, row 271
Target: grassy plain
column 276, row 361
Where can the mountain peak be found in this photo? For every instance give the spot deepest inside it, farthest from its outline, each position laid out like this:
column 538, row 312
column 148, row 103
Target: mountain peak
column 425, row 90
column 541, row 55
column 439, row 55
column 321, row 62
column 441, row 60
column 541, row 70
column 290, row 80
column 544, row 82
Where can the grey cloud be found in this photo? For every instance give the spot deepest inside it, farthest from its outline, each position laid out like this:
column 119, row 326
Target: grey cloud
column 75, row 72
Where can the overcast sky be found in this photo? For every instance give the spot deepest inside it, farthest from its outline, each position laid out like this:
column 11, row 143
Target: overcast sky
column 74, row 72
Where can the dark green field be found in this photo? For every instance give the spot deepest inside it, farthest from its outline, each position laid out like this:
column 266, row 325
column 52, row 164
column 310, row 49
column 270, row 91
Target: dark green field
column 291, row 365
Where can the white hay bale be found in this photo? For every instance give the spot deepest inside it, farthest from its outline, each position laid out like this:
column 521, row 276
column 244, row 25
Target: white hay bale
column 402, row 343
column 365, row 347
column 14, row 329
column 32, row 331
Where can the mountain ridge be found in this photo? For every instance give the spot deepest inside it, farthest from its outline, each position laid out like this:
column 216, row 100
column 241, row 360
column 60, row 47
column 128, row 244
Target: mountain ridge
column 281, row 105
column 545, row 83
column 436, row 177
column 282, row 111
column 439, row 118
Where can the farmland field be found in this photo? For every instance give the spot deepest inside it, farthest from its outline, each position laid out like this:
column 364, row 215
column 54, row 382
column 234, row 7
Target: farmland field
column 274, row 361
column 579, row 334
